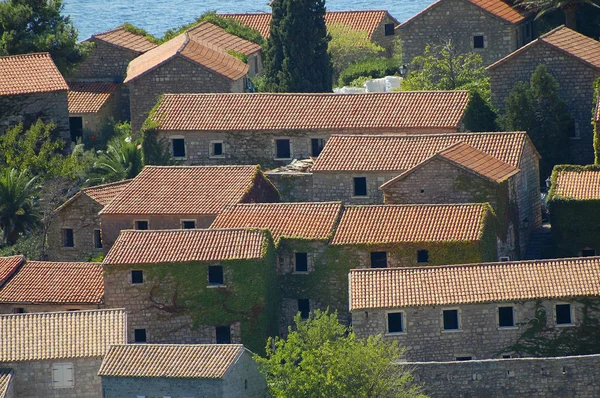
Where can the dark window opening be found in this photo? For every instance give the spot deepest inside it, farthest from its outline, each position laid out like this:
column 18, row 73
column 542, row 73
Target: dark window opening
column 450, row 319
column 478, row 41
column 215, row 275
column 256, row 64
column 217, row 149
column 245, row 384
column 389, row 29
column 395, row 322
column 97, row 239
column 506, row 317
column 137, row 277
column 282, row 149
column 316, row 146
column 464, row 358
column 67, row 238
column 223, row 334
column 378, row 259
column 18, row 310
column 139, row 335
column 422, row 256
column 563, row 314
column 178, row 147
column 76, row 128
column 188, row 224
column 141, row 225
column 588, row 252
column 360, row 186
column 303, row 308
column 301, row 262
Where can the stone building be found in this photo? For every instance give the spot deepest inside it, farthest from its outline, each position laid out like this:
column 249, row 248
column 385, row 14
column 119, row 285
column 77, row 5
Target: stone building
column 193, row 286
column 74, row 232
column 91, row 106
column 204, row 370
column 184, row 64
column 58, row 354
column 32, row 88
column 574, row 203
column 491, row 28
column 377, row 24
column 474, row 311
column 410, row 169
column 174, row 197
column 43, row 286
column 272, row 129
column 574, row 61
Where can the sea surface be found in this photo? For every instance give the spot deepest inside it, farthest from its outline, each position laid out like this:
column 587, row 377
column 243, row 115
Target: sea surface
column 156, row 16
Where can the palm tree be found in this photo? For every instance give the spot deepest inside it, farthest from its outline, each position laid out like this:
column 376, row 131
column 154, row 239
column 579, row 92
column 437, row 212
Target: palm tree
column 122, row 160
column 17, row 204
column 568, row 7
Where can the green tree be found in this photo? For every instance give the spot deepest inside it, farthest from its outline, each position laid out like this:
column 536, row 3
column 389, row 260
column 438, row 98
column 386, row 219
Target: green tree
column 349, row 46
column 296, row 59
column 595, row 117
column 569, row 8
column 121, row 160
column 17, row 204
column 538, row 109
column 322, row 358
column 28, row 26
column 479, row 114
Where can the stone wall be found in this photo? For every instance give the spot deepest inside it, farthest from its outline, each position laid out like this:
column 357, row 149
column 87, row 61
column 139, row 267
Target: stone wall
column 576, row 87
column 8, row 308
column 565, row 377
column 105, row 61
column 34, row 378
column 479, row 336
column 112, row 109
column 177, row 75
column 293, row 187
column 379, row 37
column 328, row 186
column 438, row 24
column 255, row 65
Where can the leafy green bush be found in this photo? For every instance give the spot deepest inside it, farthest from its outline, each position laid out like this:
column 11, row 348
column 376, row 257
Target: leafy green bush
column 371, row 67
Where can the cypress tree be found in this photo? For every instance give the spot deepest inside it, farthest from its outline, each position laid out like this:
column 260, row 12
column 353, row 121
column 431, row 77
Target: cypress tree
column 296, row 57
column 479, row 115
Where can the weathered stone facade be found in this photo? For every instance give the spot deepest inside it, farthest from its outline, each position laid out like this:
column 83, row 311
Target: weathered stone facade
column 11, row 308
column 379, row 34
column 292, row 186
column 112, row 109
column 330, row 186
column 438, row 24
column 479, row 335
column 105, row 61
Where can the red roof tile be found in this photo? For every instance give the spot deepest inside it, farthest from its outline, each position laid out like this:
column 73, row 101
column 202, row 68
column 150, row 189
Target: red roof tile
column 186, row 245
column 89, row 97
column 578, row 185
column 103, row 194
column 6, row 382
column 410, row 223
column 213, row 34
column 122, row 37
column 55, row 282
column 183, row 190
column 288, row 220
column 327, row 111
column 474, row 283
column 8, row 265
column 30, row 73
column 402, row 152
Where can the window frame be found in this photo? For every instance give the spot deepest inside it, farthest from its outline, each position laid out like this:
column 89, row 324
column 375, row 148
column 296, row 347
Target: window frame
column 212, row 284
column 301, row 310
column 419, row 251
column 211, row 149
column 385, row 29
column 185, row 151
column 135, row 225
column 63, row 231
column 131, row 282
column 354, row 195
column 483, row 38
column 387, row 323
column 97, row 242
column 514, row 320
column 135, row 340
column 378, row 253
column 217, row 333
column 187, row 220
column 296, row 263
column 311, row 146
column 275, row 151
column 62, row 366
column 458, row 320
column 571, row 315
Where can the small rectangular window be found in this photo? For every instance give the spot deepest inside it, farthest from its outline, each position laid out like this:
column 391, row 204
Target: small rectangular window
column 62, row 375
column 97, row 239
column 395, row 322
column 223, row 334
column 216, row 149
column 141, row 225
column 188, row 224
column 67, row 237
column 451, row 320
column 588, row 252
column 464, row 358
column 139, row 335
column 422, row 256
column 506, row 317
column 378, row 259
column 18, row 310
column 283, row 149
column 137, row 277
column 178, row 147
column 478, row 41
column 563, row 314
column 301, row 262
column 304, row 308
column 360, row 186
column 389, row 29
column 215, row 275
column 316, row 146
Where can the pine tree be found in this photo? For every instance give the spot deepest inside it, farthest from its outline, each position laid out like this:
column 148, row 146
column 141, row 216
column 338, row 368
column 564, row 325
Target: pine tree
column 296, row 57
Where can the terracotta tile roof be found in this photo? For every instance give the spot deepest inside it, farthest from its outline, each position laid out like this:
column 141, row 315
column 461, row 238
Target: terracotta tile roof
column 5, row 380
column 578, row 185
column 8, row 265
column 30, row 73
column 56, row 335
column 198, row 51
column 183, row 190
column 299, row 220
column 403, row 152
column 474, row 283
column 89, row 97
column 218, row 37
column 103, row 194
column 567, row 41
column 55, row 282
column 185, row 245
column 122, row 37
column 202, row 361
column 410, row 223
column 366, row 21
column 326, row 111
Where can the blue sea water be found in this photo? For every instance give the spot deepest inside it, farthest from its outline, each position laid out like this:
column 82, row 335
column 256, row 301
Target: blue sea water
column 156, row 16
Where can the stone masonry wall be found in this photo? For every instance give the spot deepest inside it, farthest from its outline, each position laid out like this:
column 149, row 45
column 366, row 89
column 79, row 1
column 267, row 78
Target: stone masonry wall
column 576, row 87
column 293, row 187
column 94, row 122
column 328, row 186
column 7, row 308
column 106, row 62
column 479, row 335
column 34, row 378
column 244, row 380
column 175, row 76
column 565, row 377
column 379, row 37
column 439, row 24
